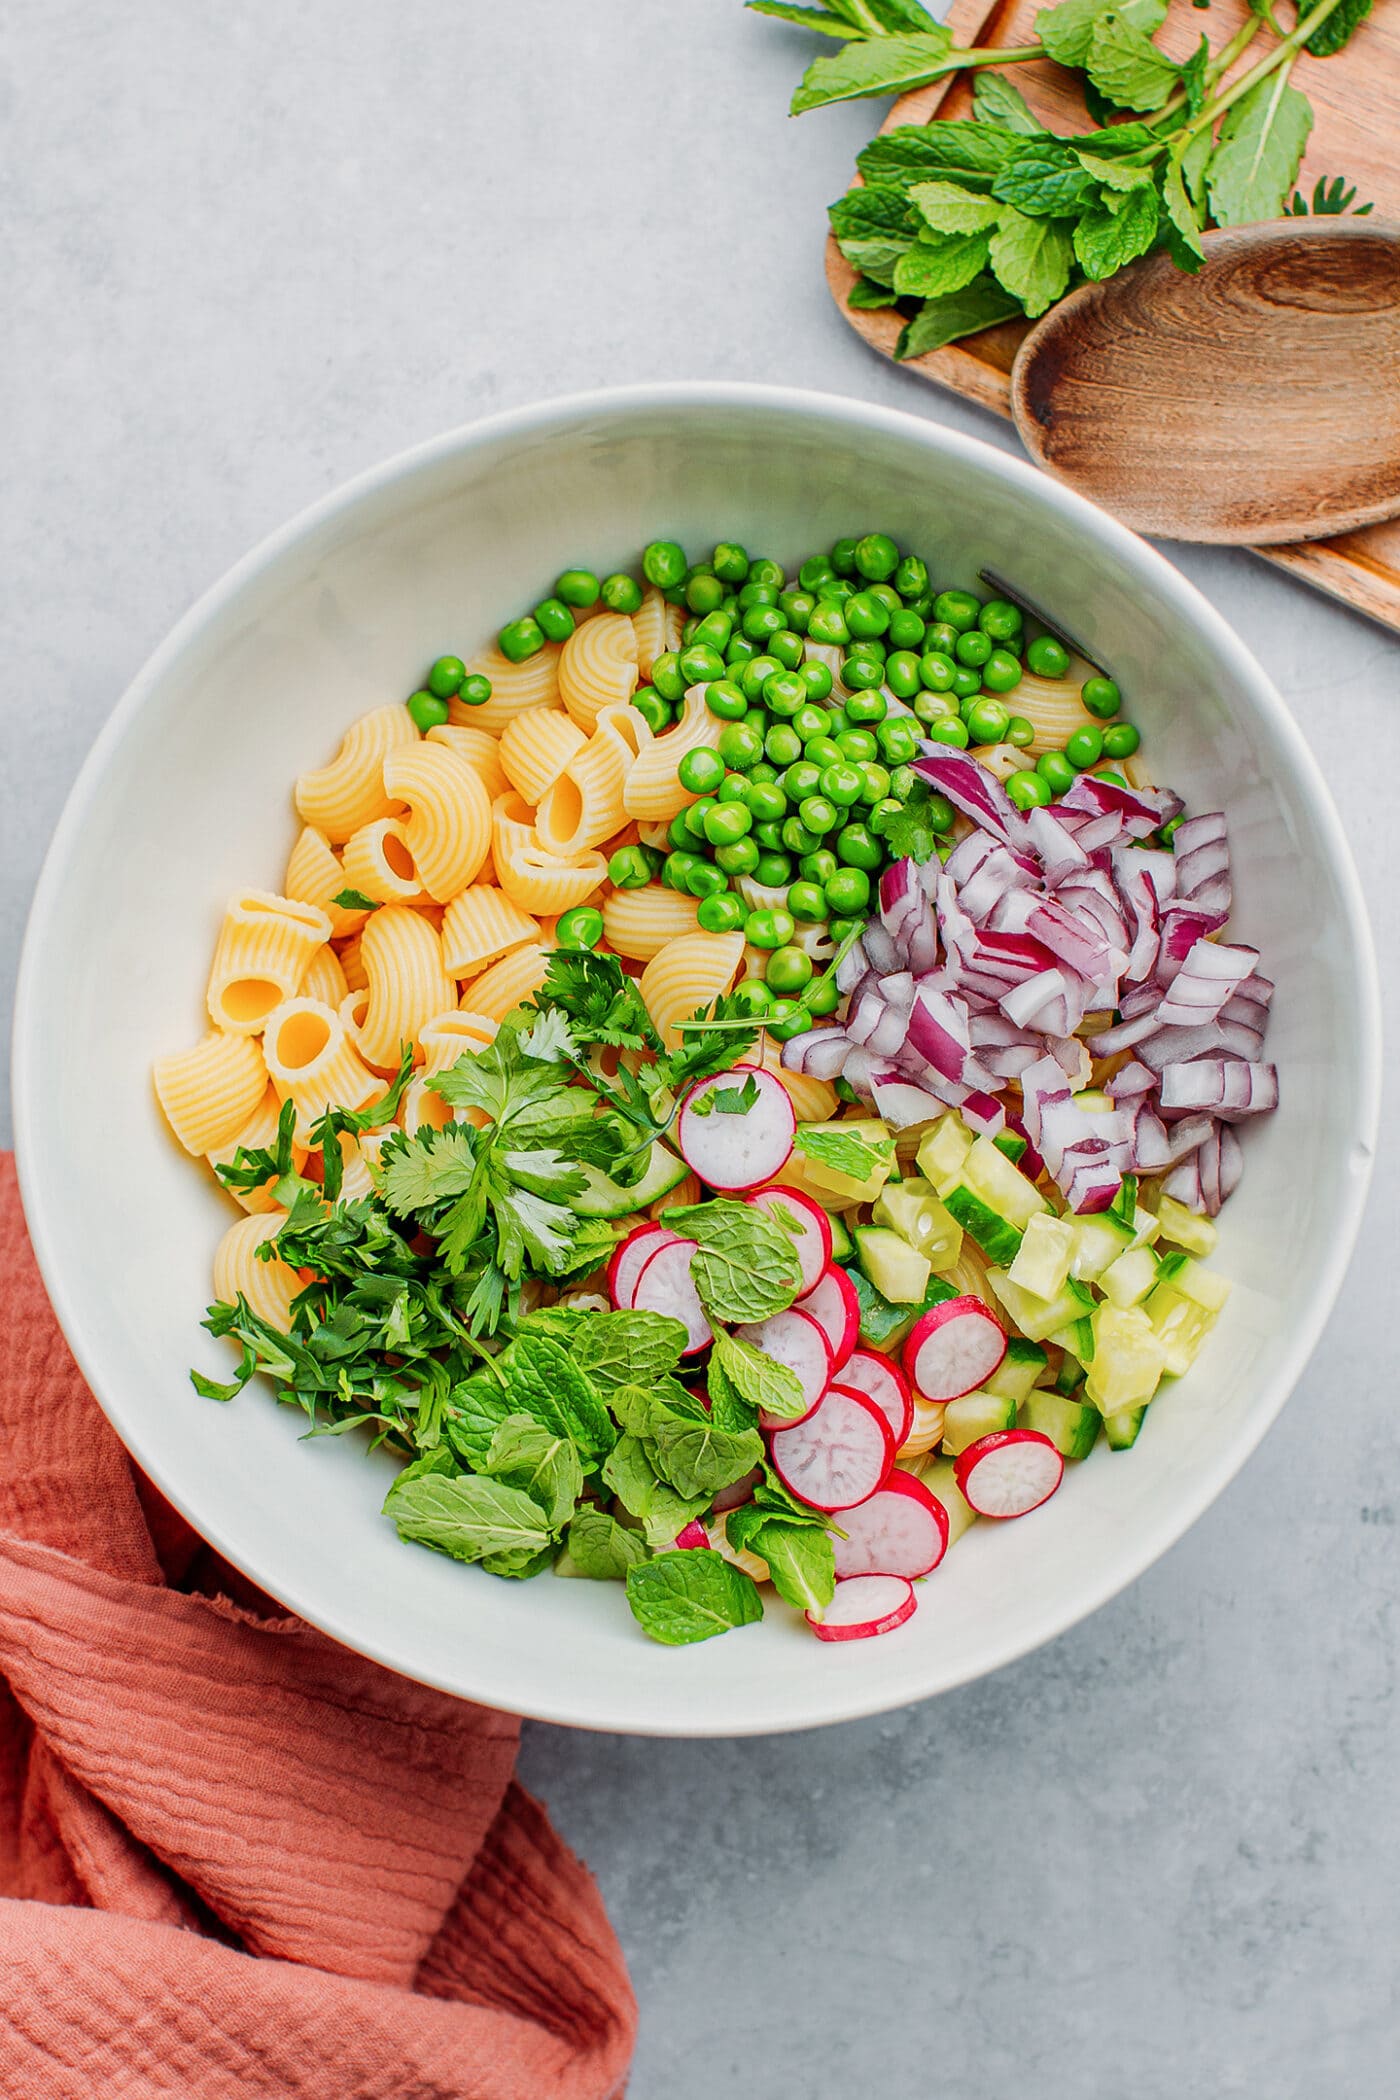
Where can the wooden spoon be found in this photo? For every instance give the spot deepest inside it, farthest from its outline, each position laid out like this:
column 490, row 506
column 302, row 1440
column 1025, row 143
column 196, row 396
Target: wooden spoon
column 1258, row 401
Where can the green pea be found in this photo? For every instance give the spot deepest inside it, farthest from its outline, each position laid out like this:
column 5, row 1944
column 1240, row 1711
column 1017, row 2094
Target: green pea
column 797, row 839
column 822, row 998
column 950, row 731
column 788, row 970
column 1028, row 789
column 445, row 677
column 730, row 562
column 806, row 900
column 756, row 593
column 974, row 649
column 828, row 625
column 838, row 721
column 1100, row 695
column 628, row 868
column 785, row 1019
column 836, row 592
column 741, row 858
column 801, row 779
column 774, row 870
column 769, row 928
column 754, row 675
column 520, row 639
column 876, row 557
column 1084, row 748
column 857, row 846
column 713, row 630
column 869, row 648
column 577, row 587
column 771, row 573
column 721, row 913
column 788, row 648
column 700, row 662
column 1056, row 771
column 848, row 891
column 1000, row 619
column 880, row 818
column 581, row 927
column 761, row 622
column 862, row 674
column 966, row 682
column 815, row 572
column 843, row 557
column 696, row 814
column 799, row 607
column 1110, row 773
column 817, row 679
column 734, row 788
column 769, row 834
column 842, row 929
column 937, row 671
column 652, row 708
column 911, row 577
column 811, row 720
column 767, row 804
column 987, row 721
column 676, row 867
column 867, row 707
column 762, row 774
column 741, row 650
column 725, row 700
column 957, row 609
column 856, row 745
column 727, row 823
column 664, row 564
column 933, row 707
column 898, row 739
column 902, row 782
column 752, row 996
column 866, row 615
column 1121, row 740
column 701, row 770
column 688, row 633
column 818, row 813
column 841, row 784
column 426, row 711
column 740, row 745
column 817, row 865
column 942, row 639
column 902, row 674
column 785, row 693
column 782, row 744
column 678, row 831
column 907, row 630
column 555, row 621
column 874, row 780
column 1047, row 657
column 1170, row 829
column 1001, row 672
column 621, row 594
column 666, row 676
column 704, row 592
column 823, row 751
column 705, row 880
column 475, row 689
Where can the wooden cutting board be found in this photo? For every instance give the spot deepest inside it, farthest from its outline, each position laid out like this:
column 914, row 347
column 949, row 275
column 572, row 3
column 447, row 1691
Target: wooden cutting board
column 1356, row 101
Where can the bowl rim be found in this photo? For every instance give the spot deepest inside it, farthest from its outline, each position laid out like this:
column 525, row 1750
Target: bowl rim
column 571, row 1708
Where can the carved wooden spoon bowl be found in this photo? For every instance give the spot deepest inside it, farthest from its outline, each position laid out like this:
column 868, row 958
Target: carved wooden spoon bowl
column 1256, row 402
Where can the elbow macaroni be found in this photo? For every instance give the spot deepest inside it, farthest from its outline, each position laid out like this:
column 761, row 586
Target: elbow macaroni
column 349, row 792
column 536, row 747
column 314, row 876
column 406, row 980
column 514, row 687
column 448, row 826
column 481, row 924
column 264, row 950
column 598, row 667
column 313, row 1061
column 208, row 1093
column 639, row 923
column 267, row 1286
column 688, row 973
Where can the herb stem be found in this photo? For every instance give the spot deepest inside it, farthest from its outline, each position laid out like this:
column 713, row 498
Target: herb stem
column 963, row 61
column 1283, row 53
column 1218, row 67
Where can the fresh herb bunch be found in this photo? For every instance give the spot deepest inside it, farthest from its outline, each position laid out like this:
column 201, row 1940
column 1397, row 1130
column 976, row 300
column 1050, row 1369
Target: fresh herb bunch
column 964, row 223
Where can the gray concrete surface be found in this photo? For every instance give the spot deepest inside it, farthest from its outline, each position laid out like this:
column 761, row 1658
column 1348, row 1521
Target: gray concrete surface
column 253, row 250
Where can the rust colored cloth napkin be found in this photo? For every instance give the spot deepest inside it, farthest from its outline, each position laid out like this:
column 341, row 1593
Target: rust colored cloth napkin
column 235, row 1858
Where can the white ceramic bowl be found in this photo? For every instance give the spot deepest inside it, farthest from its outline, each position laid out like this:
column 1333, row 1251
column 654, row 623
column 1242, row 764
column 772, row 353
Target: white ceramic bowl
column 186, row 795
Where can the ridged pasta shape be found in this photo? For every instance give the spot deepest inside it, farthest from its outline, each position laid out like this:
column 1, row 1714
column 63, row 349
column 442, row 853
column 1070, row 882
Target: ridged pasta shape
column 349, row 792
column 325, row 979
column 481, row 924
column 639, row 923
column 357, row 1157
column 514, row 687
column 264, row 949
column 598, row 667
column 657, row 627
column 513, row 979
column 688, row 973
column 424, row 1110
column 1053, row 708
column 313, row 1062
column 1000, row 760
column 536, row 747
column 268, row 1286
column 652, row 792
column 452, row 1035
column 350, row 963
column 448, row 826
column 208, row 1093
column 314, row 876
column 927, row 1430
column 379, row 864
column 584, row 806
column 402, row 957
column 813, row 1100
column 535, row 880
column 479, row 748
column 259, row 1133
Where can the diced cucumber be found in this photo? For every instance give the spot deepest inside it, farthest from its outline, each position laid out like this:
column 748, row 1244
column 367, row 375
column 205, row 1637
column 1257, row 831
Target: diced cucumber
column 1043, row 1258
column 1185, row 1229
column 1128, row 1280
column 842, row 1245
column 1098, row 1241
column 1180, row 1326
column 602, row 1197
column 1077, row 1340
column 1202, row 1286
column 1022, row 1365
column 1129, row 1358
column 1001, row 1186
column 845, row 1188
column 1071, row 1425
column 940, row 1480
column 974, row 1415
column 1037, row 1318
column 1007, row 1141
column 883, row 1325
column 1094, row 1101
column 999, row 1241
column 1070, row 1376
column 912, row 1209
column 898, row 1271
column 1121, row 1427
column 943, row 1150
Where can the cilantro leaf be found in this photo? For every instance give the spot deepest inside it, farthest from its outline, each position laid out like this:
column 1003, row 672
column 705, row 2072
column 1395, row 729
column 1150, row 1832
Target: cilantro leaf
column 354, row 900
column 844, row 1152
column 757, row 1378
column 744, row 1266
column 602, row 1549
column 908, row 832
column 712, row 1038
column 251, row 1166
column 691, row 1596
column 728, row 1100
column 598, row 999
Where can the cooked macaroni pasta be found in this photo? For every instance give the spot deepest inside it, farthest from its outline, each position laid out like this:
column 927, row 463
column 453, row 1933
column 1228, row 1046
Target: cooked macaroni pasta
column 598, row 667
column 208, row 1093
column 402, row 956
column 264, row 949
column 349, row 792
column 268, row 1287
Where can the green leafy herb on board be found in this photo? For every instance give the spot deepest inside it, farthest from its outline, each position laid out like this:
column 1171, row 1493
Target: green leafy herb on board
column 845, row 1152
column 601, row 1548
column 745, row 1265
column 691, row 1596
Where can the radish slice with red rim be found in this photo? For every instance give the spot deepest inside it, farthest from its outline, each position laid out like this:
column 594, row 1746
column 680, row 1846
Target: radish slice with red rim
column 666, row 1286
column 692, row 1537
column 902, row 1529
column 863, row 1606
column 880, row 1379
column 953, row 1348
column 737, row 1148
column 834, row 1306
column 812, row 1242
column 629, row 1259
column 1008, row 1473
column 838, row 1455
column 795, row 1339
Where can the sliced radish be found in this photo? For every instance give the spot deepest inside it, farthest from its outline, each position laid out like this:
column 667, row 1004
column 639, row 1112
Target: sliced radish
column 881, row 1380
column 737, row 1150
column 813, row 1243
column 630, row 1257
column 902, row 1529
column 953, row 1348
column 739, row 1492
column 1008, row 1473
column 863, row 1606
column 838, row 1455
column 692, row 1536
column 793, row 1338
column 834, row 1306
column 665, row 1286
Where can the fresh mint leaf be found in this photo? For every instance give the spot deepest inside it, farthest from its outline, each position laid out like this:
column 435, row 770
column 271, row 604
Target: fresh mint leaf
column 1187, row 251
column 354, row 900
column 1104, row 240
column 865, row 296
column 627, row 1348
column 1258, row 152
column 698, row 1456
column 691, row 1596
column 937, row 264
column 1032, row 259
column 981, row 305
column 873, row 227
column 1045, row 180
column 600, row 1548
column 473, row 1412
column 1335, row 33
column 438, row 1460
column 800, row 1560
column 744, row 1266
column 1125, row 175
column 946, row 207
column 543, row 1380
column 885, row 65
column 629, row 1472
column 540, row 1463
column 466, row 1516
column 997, row 100
column 805, row 17
column 845, row 1153
column 757, row 1378
column 1193, row 77
column 1126, row 66
column 1067, row 31
column 946, row 150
